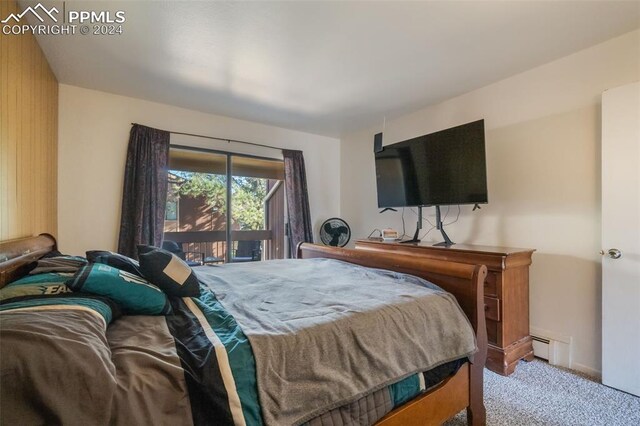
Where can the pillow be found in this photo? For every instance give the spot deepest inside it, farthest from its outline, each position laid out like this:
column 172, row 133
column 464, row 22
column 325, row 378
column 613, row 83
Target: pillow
column 59, row 264
column 116, row 260
column 142, row 249
column 135, row 295
column 35, row 285
column 168, row 272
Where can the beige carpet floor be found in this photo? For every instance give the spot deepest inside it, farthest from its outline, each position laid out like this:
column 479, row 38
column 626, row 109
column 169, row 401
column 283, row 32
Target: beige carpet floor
column 541, row 394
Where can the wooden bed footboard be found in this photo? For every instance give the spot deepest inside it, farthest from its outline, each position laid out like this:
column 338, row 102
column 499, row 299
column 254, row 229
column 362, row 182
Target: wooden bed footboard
column 466, row 283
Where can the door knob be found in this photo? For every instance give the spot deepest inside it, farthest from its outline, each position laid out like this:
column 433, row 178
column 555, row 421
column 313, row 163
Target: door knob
column 613, row 253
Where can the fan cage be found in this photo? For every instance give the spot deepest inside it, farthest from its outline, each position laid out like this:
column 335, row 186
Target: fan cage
column 327, row 238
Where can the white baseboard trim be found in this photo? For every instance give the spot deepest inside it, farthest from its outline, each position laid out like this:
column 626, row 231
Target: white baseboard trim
column 558, row 351
column 591, row 372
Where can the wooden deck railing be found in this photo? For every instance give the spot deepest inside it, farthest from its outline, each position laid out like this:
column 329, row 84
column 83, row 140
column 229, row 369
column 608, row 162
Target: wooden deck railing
column 213, row 244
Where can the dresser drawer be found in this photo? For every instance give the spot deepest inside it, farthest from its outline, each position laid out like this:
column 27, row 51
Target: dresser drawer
column 492, row 308
column 492, row 332
column 490, row 286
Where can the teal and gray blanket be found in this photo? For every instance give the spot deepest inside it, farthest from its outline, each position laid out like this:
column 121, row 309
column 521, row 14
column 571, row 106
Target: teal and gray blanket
column 324, row 333
column 275, row 343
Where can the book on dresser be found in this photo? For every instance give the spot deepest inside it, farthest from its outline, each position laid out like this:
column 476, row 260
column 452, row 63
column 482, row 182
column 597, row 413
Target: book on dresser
column 506, row 293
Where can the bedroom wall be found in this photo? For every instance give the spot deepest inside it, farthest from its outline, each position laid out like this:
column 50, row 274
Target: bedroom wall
column 543, row 160
column 93, row 136
column 28, row 135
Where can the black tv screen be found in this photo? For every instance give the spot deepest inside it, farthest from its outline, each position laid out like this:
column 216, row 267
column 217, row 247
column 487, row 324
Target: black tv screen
column 442, row 168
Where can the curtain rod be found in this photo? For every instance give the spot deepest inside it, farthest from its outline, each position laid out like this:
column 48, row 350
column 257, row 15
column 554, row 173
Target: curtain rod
column 219, row 139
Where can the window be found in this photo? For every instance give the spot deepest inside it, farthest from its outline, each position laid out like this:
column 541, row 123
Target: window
column 225, row 207
column 171, row 211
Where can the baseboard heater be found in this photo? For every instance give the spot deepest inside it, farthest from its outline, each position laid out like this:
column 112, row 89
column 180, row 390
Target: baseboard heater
column 553, row 347
column 541, row 347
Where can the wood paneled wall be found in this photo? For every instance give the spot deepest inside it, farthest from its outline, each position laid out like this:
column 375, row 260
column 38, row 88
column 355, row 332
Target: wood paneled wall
column 28, row 135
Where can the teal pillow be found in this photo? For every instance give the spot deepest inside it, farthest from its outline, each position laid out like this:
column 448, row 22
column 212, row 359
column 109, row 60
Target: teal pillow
column 135, row 295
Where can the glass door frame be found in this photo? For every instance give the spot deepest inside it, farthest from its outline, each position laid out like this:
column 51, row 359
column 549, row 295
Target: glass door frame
column 229, row 175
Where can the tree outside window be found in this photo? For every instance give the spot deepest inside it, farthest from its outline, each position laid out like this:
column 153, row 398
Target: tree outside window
column 247, row 194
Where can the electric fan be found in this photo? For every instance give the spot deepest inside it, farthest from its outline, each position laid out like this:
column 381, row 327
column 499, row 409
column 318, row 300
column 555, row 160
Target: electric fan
column 335, row 232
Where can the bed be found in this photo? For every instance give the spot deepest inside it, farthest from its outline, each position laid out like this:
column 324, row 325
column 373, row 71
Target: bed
column 209, row 362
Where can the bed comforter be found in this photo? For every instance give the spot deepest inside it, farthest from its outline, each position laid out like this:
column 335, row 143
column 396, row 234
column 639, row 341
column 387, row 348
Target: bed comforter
column 276, row 343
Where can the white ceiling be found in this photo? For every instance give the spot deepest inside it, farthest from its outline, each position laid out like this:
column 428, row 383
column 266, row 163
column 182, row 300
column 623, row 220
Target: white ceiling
column 324, row 67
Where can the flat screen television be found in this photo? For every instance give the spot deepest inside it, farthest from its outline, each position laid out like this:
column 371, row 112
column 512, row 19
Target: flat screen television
column 443, row 168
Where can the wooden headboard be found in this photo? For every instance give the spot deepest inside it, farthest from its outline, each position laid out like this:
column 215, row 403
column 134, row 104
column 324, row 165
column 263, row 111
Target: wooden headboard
column 16, row 256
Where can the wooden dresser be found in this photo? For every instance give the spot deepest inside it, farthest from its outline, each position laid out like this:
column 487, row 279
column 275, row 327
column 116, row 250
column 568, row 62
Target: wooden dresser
column 506, row 292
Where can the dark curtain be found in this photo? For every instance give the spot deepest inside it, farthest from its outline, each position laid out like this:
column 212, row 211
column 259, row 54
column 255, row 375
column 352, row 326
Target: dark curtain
column 145, row 189
column 295, row 180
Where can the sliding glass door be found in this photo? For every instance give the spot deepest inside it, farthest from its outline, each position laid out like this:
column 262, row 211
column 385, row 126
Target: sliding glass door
column 224, row 207
column 252, row 234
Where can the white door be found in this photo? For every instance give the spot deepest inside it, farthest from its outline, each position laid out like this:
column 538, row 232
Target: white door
column 621, row 238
